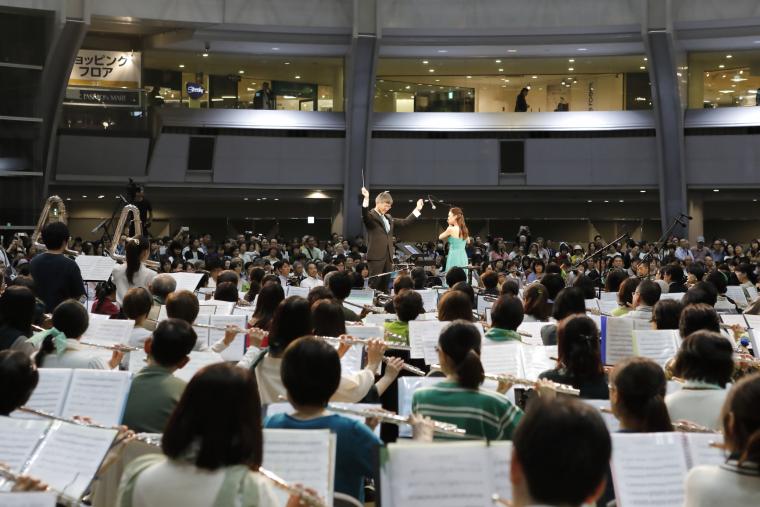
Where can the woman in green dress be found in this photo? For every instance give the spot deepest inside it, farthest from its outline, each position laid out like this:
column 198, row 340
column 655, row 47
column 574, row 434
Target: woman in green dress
column 458, row 236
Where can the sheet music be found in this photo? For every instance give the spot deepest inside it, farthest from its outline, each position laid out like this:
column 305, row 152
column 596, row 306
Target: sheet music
column 50, row 393
column 302, row 457
column 500, row 456
column 592, row 305
column 351, row 361
column 751, row 293
column 246, row 312
column 613, row 425
column 731, row 319
column 482, row 304
column 95, row 268
column 202, row 332
column 736, row 293
column 488, row 317
column 70, row 456
column 536, row 360
column 675, row 296
column 108, row 331
column 361, row 297
column 753, row 340
column 597, row 320
column 197, row 361
column 700, row 452
column 608, row 296
column 607, row 307
column 429, row 299
column 534, row 329
column 407, row 386
column 95, row 316
column 221, row 307
column 657, row 345
column 648, row 469
column 18, row 439
column 366, row 332
column 440, row 474
column 137, row 361
column 618, row 339
column 28, row 499
column 423, row 338
column 98, row 394
column 236, row 350
column 427, row 316
column 753, row 321
column 378, row 319
column 502, row 358
column 187, row 281
column 298, row 291
column 162, row 315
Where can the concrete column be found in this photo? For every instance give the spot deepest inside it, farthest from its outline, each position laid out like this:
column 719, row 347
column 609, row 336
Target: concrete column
column 360, row 84
column 697, row 222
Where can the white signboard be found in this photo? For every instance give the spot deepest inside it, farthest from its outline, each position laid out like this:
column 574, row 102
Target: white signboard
column 106, row 68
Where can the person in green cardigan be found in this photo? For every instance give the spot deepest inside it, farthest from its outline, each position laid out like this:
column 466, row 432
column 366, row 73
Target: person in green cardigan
column 506, row 315
column 408, row 305
column 155, row 391
column 625, row 296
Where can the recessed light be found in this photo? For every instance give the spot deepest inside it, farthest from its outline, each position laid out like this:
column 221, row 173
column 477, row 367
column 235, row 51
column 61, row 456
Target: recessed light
column 276, row 198
column 642, row 191
column 443, row 50
column 729, row 56
column 437, row 80
column 407, row 87
column 101, row 196
column 425, row 62
column 515, row 51
column 275, row 49
column 642, row 67
column 582, row 49
column 571, row 69
column 84, row 197
column 534, row 77
column 621, row 200
column 501, row 70
column 716, row 190
column 571, row 60
column 589, row 200
column 497, row 61
column 298, row 77
column 263, row 198
column 245, row 198
column 241, row 71
column 754, row 200
column 181, row 65
column 68, row 198
column 606, row 200
column 469, row 77
column 721, row 66
column 431, row 70
column 205, row 55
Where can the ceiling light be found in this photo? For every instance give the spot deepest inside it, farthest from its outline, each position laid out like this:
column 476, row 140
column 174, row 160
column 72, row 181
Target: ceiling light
column 621, row 200
column 276, row 198
column 582, row 49
column 606, row 200
column 469, row 77
column 721, row 66
column 241, row 72
column 68, row 198
column 181, row 65
column 754, row 200
column 571, row 69
column 407, row 87
column 204, row 55
column 501, row 70
column 317, row 194
column 101, row 196
column 425, row 62
column 298, row 77
column 515, row 51
column 245, row 198
column 84, row 197
column 729, row 56
column 263, row 198
column 437, row 80
column 571, row 60
column 716, row 190
column 506, row 80
column 431, row 70
column 642, row 67
column 443, row 50
column 589, row 200
column 287, row 63
column 497, row 61
column 275, row 49
column 642, row 191
column 646, row 59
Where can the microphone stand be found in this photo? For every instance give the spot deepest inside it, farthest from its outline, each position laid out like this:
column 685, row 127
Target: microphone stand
column 658, row 245
column 598, row 252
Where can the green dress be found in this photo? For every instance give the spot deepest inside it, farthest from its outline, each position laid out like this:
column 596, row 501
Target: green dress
column 457, row 254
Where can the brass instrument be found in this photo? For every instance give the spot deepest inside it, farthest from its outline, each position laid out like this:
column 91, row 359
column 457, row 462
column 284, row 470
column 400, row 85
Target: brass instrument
column 52, row 202
column 408, row 367
column 511, row 379
column 126, row 212
column 389, row 417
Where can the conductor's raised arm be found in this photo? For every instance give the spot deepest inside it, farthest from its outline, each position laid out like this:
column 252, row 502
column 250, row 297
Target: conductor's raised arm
column 368, row 222
column 416, row 212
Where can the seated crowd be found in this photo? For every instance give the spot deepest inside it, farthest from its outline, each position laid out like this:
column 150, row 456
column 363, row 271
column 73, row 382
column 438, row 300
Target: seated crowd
column 212, row 426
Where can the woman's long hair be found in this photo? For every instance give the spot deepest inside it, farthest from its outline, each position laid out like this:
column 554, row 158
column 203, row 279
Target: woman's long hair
column 135, row 248
column 464, row 233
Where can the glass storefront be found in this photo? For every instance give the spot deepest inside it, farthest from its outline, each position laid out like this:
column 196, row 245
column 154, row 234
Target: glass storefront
column 724, row 79
column 489, row 85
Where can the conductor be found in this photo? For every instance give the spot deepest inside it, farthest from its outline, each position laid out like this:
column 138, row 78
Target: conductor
column 380, row 230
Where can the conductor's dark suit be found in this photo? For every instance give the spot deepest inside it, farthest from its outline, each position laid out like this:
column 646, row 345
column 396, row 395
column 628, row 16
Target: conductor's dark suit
column 380, row 243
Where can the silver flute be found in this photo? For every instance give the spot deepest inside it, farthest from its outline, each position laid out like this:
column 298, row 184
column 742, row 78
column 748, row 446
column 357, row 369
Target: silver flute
column 511, row 379
column 389, row 417
column 348, row 340
column 407, row 367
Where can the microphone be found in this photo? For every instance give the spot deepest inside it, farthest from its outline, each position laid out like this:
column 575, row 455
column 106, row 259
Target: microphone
column 683, row 215
column 432, row 204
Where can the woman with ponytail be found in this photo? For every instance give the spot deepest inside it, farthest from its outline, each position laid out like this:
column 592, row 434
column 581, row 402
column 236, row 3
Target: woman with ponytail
column 736, row 482
column 580, row 361
column 105, row 300
column 458, row 236
column 59, row 346
column 459, row 399
column 133, row 273
column 637, row 396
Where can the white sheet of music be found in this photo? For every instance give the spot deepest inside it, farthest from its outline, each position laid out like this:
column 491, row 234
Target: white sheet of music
column 608, row 296
column 298, row 291
column 360, row 297
column 198, row 359
column 304, row 457
column 427, row 316
column 657, row 345
column 221, row 307
column 95, row 268
column 753, row 321
column 429, row 299
column 732, row 319
column 18, row 439
column 597, row 320
column 482, row 305
column 648, row 469
column 699, row 450
column 675, row 296
column 378, row 319
column 246, row 311
column 592, row 305
column 440, row 474
column 204, row 309
column 736, row 293
column 236, row 350
column 618, row 339
column 534, row 330
column 50, row 393
column 423, row 338
column 70, row 456
column 137, row 361
column 202, row 332
column 406, row 389
column 502, row 358
column 607, row 307
column 609, row 419
column 351, row 361
column 98, row 394
column 537, row 359
column 108, row 331
column 187, row 281
column 500, row 454
column 366, row 332
column 162, row 313
column 751, row 293
column 28, row 499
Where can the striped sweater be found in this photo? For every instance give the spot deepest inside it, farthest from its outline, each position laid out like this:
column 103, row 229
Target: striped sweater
column 480, row 412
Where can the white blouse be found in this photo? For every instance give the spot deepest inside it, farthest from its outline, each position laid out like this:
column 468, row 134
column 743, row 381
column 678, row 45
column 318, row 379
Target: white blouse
column 726, row 486
column 141, row 278
column 697, row 402
column 77, row 355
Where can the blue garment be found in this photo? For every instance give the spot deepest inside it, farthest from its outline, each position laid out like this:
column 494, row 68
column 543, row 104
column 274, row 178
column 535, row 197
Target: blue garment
column 355, row 453
column 457, row 255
